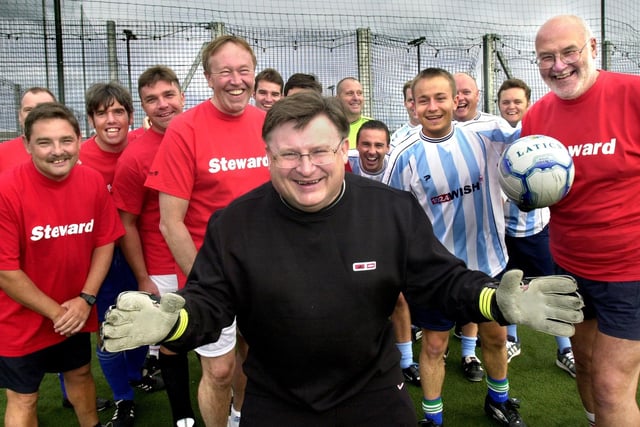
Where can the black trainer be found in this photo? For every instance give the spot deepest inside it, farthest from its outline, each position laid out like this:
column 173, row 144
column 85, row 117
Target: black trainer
column 412, row 374
column 124, row 414
column 151, row 366
column 149, row 383
column 472, row 369
column 416, row 333
column 505, row 413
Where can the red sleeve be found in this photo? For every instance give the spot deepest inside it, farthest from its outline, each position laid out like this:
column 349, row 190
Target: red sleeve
column 128, row 189
column 173, row 168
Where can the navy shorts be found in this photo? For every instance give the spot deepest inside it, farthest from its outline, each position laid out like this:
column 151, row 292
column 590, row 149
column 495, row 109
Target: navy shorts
column 615, row 305
column 23, row 374
column 530, row 254
column 432, row 320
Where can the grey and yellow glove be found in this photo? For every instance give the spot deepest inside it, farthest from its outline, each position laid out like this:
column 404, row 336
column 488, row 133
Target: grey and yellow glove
column 139, row 318
column 548, row 304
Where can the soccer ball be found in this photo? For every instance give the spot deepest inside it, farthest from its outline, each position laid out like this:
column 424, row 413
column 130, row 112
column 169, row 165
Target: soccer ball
column 536, row 171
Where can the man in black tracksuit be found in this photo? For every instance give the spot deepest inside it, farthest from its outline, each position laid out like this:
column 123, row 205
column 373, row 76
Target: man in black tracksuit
column 311, row 264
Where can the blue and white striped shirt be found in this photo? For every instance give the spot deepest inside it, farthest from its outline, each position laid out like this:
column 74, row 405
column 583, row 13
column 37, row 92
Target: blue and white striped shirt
column 356, row 167
column 403, row 133
column 455, row 179
column 524, row 224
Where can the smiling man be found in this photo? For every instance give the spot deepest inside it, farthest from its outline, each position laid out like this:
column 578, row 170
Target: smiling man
column 283, row 259
column 268, row 89
column 468, row 96
column 55, row 252
column 351, row 96
column 369, row 159
column 143, row 245
column 109, row 107
column 209, row 155
column 450, row 167
column 594, row 232
column 514, row 99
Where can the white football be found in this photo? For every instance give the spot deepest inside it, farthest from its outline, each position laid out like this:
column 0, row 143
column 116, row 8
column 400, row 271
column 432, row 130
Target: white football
column 536, row 171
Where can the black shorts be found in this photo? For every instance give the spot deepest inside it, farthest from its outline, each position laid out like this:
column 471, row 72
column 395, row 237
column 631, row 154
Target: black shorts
column 23, row 374
column 389, row 406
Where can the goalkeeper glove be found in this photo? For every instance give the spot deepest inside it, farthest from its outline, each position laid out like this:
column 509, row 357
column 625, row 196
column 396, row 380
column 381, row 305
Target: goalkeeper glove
column 548, row 304
column 138, row 319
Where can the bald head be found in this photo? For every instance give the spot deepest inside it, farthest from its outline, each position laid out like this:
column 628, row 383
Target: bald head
column 468, row 97
column 563, row 23
column 32, row 97
column 566, row 52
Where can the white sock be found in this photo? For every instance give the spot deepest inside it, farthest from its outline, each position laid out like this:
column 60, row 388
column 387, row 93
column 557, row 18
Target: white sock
column 154, row 350
column 591, row 417
column 185, row 422
column 234, row 413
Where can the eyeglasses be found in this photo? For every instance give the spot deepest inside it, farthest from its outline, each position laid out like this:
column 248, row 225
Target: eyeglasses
column 567, row 57
column 319, row 157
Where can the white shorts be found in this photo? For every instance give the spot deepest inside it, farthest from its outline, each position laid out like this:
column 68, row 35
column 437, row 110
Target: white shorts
column 225, row 344
column 165, row 282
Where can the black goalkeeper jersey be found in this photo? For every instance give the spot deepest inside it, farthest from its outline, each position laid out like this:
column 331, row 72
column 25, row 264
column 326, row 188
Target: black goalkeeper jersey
column 313, row 292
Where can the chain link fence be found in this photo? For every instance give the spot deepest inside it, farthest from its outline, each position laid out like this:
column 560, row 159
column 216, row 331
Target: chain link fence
column 90, row 41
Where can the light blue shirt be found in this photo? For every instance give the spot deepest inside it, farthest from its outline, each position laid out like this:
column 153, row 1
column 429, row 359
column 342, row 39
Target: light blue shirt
column 455, row 179
column 356, row 166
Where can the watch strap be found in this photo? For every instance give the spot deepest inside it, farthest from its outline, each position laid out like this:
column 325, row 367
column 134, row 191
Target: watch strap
column 89, row 299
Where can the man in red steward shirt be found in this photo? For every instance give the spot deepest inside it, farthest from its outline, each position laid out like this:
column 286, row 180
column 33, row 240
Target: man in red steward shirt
column 594, row 231
column 210, row 155
column 56, row 245
column 143, row 245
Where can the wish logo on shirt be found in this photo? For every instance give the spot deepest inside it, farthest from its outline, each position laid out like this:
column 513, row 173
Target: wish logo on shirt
column 457, row 193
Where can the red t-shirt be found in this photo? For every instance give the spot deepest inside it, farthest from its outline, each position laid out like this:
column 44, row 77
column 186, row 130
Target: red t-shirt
column 49, row 231
column 136, row 133
column 130, row 195
column 12, row 153
column 209, row 158
column 594, row 230
column 96, row 158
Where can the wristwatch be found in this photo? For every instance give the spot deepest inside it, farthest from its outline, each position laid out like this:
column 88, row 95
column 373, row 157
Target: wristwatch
column 90, row 299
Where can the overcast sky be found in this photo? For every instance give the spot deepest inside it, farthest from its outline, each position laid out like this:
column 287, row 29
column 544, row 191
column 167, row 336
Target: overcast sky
column 457, row 23
column 394, row 16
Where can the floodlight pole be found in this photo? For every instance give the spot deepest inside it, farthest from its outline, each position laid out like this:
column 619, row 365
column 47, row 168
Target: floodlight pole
column 606, row 48
column 59, row 52
column 417, row 42
column 129, row 36
column 46, row 49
